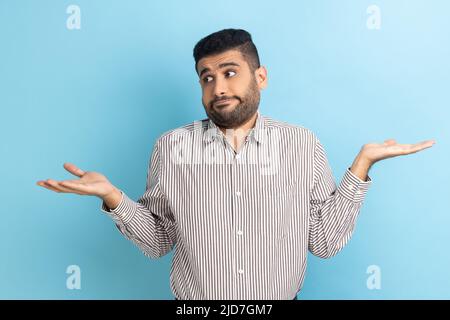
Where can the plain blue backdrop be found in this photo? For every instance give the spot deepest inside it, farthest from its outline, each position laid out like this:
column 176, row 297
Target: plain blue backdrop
column 101, row 95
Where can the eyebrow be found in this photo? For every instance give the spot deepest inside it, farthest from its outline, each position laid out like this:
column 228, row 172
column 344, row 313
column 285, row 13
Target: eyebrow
column 222, row 65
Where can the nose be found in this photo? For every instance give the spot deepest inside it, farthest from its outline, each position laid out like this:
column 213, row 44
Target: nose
column 220, row 87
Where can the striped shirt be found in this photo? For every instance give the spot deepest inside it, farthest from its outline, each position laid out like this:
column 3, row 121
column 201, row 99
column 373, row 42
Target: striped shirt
column 240, row 223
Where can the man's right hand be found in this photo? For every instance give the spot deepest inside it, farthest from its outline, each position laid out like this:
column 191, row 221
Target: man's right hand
column 90, row 183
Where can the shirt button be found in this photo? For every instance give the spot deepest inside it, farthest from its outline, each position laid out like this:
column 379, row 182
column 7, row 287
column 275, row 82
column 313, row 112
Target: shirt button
column 241, row 271
column 350, row 187
column 238, row 193
column 238, row 157
column 240, row 233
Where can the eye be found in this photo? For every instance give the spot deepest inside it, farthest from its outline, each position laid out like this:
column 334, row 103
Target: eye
column 230, row 73
column 207, row 79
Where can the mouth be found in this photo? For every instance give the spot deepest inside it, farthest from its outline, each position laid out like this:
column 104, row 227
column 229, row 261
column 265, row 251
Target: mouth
column 223, row 102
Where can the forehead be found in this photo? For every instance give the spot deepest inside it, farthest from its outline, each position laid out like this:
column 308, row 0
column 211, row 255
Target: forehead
column 214, row 61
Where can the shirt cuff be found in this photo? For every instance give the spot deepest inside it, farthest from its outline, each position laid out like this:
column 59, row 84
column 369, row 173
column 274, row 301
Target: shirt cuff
column 353, row 188
column 124, row 212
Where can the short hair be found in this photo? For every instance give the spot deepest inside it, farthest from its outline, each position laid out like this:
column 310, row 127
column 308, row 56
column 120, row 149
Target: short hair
column 228, row 39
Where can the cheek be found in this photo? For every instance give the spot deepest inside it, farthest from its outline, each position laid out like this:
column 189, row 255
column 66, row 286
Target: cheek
column 205, row 97
column 238, row 86
column 207, row 92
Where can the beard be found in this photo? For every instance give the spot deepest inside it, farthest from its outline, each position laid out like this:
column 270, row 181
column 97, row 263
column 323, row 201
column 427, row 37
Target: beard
column 240, row 114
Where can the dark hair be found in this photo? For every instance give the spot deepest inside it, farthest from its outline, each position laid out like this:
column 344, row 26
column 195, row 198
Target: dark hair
column 228, row 39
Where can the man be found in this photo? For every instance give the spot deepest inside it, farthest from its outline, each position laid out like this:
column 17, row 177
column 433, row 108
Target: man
column 240, row 196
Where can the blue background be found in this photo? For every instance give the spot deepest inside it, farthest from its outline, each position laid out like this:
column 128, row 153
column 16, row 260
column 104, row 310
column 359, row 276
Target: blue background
column 100, row 96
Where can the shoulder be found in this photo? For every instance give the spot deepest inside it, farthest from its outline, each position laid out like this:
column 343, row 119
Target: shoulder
column 187, row 130
column 290, row 130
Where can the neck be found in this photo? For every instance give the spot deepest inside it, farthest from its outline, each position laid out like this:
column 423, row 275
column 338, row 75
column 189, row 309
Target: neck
column 245, row 127
column 237, row 135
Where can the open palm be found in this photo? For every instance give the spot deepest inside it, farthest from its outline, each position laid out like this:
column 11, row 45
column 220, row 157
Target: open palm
column 390, row 148
column 89, row 183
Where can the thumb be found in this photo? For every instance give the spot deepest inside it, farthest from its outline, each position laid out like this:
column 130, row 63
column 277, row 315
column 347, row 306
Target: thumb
column 73, row 169
column 390, row 142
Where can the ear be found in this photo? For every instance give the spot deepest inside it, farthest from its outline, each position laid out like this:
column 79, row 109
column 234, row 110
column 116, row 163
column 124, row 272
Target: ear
column 261, row 77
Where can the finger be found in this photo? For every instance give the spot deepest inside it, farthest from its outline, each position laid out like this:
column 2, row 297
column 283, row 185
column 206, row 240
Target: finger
column 47, row 186
column 77, row 186
column 57, row 185
column 403, row 149
column 73, row 169
column 423, row 145
column 428, row 143
column 390, row 142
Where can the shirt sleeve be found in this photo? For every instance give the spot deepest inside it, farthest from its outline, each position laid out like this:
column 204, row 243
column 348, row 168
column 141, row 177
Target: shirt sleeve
column 147, row 222
column 333, row 210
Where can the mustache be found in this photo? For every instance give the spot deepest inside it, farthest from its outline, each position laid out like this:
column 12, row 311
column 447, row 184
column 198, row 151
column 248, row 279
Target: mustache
column 224, row 98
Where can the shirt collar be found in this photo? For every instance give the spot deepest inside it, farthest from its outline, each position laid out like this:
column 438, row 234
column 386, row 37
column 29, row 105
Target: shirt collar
column 257, row 132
